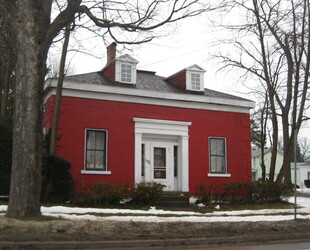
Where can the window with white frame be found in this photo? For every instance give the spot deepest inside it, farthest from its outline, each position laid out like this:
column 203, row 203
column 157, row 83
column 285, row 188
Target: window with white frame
column 126, row 69
column 195, row 81
column 96, row 150
column 217, row 147
column 126, row 72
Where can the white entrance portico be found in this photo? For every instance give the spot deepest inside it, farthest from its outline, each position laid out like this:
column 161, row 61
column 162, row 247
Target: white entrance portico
column 161, row 153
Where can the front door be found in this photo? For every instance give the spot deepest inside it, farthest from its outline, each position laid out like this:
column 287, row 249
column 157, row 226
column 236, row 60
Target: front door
column 159, row 158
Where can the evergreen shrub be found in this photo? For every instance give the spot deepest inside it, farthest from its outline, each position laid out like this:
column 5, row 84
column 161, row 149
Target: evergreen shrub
column 307, row 183
column 270, row 191
column 102, row 194
column 147, row 193
column 107, row 194
column 257, row 192
column 57, row 183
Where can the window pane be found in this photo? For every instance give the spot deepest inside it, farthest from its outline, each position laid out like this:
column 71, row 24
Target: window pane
column 99, row 160
column 175, row 157
column 213, row 164
column 100, row 140
column 90, row 159
column 195, row 81
column 217, row 164
column 212, row 146
column 217, row 146
column 142, row 159
column 159, row 157
column 159, row 163
column 126, row 70
column 91, row 142
column 220, row 147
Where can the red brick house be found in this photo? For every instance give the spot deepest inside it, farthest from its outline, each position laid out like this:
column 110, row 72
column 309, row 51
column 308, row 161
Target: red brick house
column 124, row 125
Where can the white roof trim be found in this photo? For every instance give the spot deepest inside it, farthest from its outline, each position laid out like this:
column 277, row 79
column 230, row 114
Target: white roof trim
column 126, row 58
column 195, row 67
column 170, row 122
column 104, row 92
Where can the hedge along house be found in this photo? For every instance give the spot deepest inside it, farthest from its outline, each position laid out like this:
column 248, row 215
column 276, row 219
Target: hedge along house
column 123, row 125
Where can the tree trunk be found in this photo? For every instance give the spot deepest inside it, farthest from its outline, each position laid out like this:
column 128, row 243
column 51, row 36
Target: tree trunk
column 59, row 91
column 30, row 70
column 286, row 152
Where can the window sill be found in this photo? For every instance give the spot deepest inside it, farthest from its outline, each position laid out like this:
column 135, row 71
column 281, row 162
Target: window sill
column 95, row 172
column 219, row 175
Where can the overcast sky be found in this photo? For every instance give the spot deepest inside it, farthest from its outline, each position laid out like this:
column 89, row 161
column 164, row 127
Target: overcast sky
column 189, row 42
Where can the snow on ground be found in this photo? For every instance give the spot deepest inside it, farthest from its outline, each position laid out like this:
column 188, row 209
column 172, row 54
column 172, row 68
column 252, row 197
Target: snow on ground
column 158, row 215
column 304, row 189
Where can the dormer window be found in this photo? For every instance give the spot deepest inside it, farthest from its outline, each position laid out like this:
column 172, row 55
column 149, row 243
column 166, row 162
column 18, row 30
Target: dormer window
column 195, row 81
column 194, row 78
column 126, row 71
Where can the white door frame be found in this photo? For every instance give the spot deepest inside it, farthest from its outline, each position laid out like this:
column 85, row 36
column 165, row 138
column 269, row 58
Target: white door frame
column 164, row 129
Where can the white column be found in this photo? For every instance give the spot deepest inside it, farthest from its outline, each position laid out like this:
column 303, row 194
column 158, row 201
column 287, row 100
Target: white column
column 138, row 142
column 184, row 164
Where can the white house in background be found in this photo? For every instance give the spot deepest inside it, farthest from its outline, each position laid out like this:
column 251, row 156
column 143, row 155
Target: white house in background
column 256, row 159
column 302, row 173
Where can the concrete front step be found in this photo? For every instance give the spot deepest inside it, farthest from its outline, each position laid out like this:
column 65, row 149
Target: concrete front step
column 174, row 199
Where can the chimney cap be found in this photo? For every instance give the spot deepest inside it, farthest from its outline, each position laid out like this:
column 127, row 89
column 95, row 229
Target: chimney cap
column 112, row 44
column 111, row 52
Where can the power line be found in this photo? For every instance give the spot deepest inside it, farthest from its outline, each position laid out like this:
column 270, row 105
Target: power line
column 171, row 58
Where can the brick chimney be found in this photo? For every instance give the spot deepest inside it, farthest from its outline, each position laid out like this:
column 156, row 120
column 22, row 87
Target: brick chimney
column 111, row 52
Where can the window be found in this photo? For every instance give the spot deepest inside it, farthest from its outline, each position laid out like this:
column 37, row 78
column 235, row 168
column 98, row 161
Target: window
column 125, row 69
column 195, row 78
column 160, row 163
column 142, row 159
column 217, row 148
column 95, row 158
column 308, row 175
column 126, row 72
column 195, row 81
column 175, row 160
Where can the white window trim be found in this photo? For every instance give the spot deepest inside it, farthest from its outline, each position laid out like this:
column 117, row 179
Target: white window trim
column 188, row 80
column 99, row 172
column 210, row 174
column 118, row 72
column 96, row 172
column 219, row 175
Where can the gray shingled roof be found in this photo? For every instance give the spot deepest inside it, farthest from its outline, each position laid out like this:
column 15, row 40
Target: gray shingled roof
column 147, row 80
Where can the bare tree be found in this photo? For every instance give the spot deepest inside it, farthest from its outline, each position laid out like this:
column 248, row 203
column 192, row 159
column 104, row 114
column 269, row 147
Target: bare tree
column 36, row 28
column 260, row 116
column 61, row 76
column 273, row 45
column 53, row 67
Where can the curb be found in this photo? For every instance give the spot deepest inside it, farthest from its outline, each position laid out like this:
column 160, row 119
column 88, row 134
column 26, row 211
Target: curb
column 160, row 243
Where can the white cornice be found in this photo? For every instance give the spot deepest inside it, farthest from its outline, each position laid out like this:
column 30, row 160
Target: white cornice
column 166, row 122
column 115, row 93
column 195, row 67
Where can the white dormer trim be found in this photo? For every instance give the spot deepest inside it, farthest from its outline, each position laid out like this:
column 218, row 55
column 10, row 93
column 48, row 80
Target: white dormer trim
column 126, row 61
column 195, row 72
